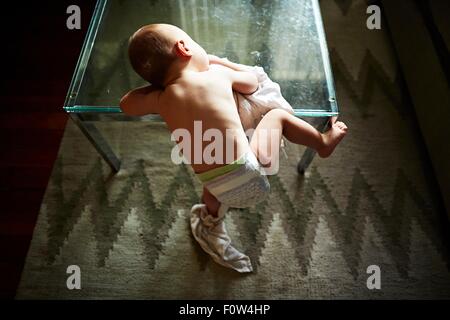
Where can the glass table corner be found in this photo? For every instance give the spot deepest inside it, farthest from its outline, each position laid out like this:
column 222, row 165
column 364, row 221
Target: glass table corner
column 285, row 37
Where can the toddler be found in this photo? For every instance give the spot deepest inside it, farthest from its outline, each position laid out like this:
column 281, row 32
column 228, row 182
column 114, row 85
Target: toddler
column 185, row 91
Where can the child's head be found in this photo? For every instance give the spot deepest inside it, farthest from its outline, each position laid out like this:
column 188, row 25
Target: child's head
column 155, row 48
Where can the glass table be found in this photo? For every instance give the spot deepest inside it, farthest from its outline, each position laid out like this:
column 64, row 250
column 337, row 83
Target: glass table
column 285, row 37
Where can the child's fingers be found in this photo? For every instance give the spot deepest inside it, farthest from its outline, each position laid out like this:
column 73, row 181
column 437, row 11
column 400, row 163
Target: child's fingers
column 333, row 120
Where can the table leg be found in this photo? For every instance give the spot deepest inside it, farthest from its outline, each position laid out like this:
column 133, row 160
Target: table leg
column 94, row 136
column 309, row 153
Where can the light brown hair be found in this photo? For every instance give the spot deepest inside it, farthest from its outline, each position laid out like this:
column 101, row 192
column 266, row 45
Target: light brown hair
column 151, row 54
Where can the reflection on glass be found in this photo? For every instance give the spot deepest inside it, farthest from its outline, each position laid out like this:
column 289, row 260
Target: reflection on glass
column 284, row 37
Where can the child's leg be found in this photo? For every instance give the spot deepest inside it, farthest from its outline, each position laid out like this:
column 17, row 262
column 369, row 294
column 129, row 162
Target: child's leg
column 211, row 202
column 265, row 143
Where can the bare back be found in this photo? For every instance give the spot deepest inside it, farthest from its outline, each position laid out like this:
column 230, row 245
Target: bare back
column 207, row 97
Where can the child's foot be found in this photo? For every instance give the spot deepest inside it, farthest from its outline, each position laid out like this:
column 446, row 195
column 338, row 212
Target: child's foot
column 332, row 137
column 212, row 204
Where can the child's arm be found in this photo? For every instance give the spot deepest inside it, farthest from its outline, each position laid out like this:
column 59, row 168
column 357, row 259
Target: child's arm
column 225, row 62
column 242, row 81
column 141, row 101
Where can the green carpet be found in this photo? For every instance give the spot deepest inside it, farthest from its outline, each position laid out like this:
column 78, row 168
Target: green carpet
column 371, row 203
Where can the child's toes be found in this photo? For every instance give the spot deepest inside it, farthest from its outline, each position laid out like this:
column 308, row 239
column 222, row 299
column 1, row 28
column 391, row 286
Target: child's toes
column 341, row 126
column 333, row 120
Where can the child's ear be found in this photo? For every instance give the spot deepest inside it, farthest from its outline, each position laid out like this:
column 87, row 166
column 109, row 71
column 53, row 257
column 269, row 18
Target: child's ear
column 182, row 49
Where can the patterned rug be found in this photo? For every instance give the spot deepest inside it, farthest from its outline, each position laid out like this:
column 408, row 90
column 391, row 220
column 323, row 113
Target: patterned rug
column 371, row 203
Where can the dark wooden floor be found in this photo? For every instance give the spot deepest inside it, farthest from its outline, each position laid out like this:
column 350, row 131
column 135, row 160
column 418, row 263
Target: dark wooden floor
column 39, row 55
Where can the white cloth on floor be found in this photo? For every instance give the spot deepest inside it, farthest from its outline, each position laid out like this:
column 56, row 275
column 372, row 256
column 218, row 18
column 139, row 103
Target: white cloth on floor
column 211, row 234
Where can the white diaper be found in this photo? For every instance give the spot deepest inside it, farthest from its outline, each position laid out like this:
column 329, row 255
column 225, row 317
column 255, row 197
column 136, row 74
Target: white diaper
column 240, row 184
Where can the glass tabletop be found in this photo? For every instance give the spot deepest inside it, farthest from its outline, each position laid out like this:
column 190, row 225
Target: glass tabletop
column 285, row 37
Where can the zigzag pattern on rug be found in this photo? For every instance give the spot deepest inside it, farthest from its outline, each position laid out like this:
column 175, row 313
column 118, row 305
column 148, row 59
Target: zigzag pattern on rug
column 299, row 218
